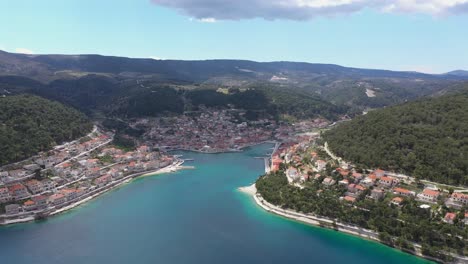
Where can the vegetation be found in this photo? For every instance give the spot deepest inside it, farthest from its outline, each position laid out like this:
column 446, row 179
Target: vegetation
column 396, row 226
column 30, row 124
column 427, row 139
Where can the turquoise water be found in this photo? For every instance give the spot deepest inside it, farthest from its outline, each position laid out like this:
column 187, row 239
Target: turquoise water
column 192, row 216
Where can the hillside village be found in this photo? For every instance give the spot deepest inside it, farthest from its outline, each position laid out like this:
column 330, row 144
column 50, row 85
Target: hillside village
column 306, row 162
column 211, row 130
column 71, row 173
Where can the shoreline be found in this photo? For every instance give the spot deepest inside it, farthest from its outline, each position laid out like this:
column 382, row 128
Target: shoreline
column 83, row 200
column 324, row 222
column 240, row 149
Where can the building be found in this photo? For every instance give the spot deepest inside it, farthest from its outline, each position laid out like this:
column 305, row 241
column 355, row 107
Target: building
column 12, row 209
column 5, row 195
column 34, row 186
column 328, row 181
column 459, row 198
column 57, row 199
column 403, row 192
column 103, row 180
column 357, row 176
column 18, row 191
column 349, row 199
column 321, row 164
column 397, row 201
column 48, row 185
column 379, row 173
column 377, row 193
column 41, row 201
column 69, row 194
column 29, row 205
column 449, row 218
column 429, row 195
column 292, row 174
column 387, row 181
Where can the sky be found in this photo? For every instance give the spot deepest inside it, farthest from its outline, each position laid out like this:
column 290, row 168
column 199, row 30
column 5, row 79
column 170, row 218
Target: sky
column 412, row 35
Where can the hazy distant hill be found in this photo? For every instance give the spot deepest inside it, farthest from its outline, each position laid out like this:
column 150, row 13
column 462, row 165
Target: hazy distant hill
column 127, row 86
column 426, row 138
column 459, row 73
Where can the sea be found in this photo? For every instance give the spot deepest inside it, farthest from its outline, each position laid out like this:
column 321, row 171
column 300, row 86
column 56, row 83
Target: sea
column 190, row 216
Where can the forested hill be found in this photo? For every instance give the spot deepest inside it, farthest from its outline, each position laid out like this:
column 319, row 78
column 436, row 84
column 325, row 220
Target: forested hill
column 427, row 139
column 30, row 124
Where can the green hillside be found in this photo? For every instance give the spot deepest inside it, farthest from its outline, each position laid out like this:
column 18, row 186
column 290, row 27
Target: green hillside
column 427, row 139
column 29, row 124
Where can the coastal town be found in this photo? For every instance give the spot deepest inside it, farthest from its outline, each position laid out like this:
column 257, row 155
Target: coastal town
column 212, row 131
column 71, row 173
column 305, row 161
column 322, row 189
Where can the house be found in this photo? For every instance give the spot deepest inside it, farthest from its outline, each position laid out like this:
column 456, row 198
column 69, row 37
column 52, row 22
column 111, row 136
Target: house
column 349, row 199
column 465, row 220
column 29, row 205
column 17, row 173
column 321, row 164
column 397, row 201
column 328, row 181
column 449, row 218
column 357, row 176
column 343, row 182
column 48, row 185
column 317, row 176
column 69, row 194
column 403, row 192
column 41, row 201
column 292, row 174
column 57, row 199
column 103, row 180
column 12, row 209
column 429, row 195
column 34, row 186
column 387, row 181
column 18, row 191
column 356, row 189
column 377, row 193
column 459, row 198
column 379, row 173
column 5, row 195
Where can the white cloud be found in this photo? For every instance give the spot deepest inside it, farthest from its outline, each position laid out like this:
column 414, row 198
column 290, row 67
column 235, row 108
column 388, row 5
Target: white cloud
column 24, row 51
column 212, row 10
column 207, row 20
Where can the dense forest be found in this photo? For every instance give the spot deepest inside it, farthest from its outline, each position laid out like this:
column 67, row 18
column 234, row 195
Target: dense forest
column 427, row 139
column 30, row 124
column 396, row 226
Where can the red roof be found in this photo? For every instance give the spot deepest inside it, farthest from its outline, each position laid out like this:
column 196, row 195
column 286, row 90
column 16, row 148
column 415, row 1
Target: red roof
column 429, row 192
column 349, row 199
column 16, row 187
column 401, row 190
column 29, row 202
column 450, row 216
column 387, row 179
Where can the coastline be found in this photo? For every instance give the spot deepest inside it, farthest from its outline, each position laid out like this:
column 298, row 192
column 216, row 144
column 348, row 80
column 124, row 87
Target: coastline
column 96, row 193
column 240, row 149
column 324, row 222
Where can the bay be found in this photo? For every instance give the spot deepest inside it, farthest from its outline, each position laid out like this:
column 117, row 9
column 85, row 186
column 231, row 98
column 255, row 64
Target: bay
column 191, row 216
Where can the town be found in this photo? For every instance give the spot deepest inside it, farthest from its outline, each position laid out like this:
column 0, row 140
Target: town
column 304, row 161
column 62, row 178
column 214, row 131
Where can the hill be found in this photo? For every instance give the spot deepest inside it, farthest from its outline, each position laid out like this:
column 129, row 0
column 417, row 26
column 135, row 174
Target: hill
column 30, row 124
column 129, row 87
column 426, row 138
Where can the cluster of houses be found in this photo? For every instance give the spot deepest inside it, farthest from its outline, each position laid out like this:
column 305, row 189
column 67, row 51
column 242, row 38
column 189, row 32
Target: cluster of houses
column 302, row 165
column 48, row 160
column 68, row 181
column 212, row 130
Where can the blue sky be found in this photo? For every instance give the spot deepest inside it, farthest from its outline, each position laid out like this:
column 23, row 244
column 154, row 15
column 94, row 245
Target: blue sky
column 431, row 38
